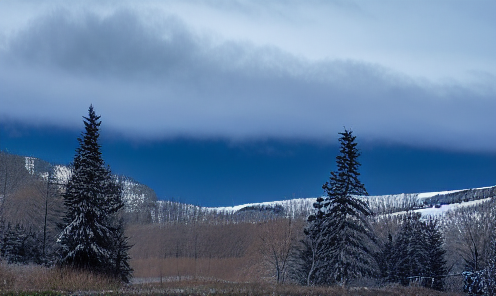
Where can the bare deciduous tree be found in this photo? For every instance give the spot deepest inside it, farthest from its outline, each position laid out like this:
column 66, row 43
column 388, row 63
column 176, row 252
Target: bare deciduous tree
column 278, row 242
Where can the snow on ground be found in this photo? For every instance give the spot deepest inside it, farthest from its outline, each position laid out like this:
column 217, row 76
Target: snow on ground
column 292, row 204
column 431, row 194
column 29, row 164
column 445, row 208
column 62, row 173
column 306, row 203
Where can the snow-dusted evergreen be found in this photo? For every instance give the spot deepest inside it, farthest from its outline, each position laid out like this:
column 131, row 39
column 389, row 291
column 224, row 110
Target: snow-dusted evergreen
column 339, row 230
column 19, row 245
column 93, row 236
column 415, row 255
column 410, row 254
column 436, row 268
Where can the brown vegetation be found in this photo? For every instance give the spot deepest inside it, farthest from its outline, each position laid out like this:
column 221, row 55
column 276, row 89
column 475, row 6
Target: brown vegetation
column 255, row 289
column 23, row 278
column 244, row 252
column 33, row 280
column 225, row 252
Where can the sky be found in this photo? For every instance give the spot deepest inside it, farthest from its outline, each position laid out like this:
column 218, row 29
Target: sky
column 227, row 102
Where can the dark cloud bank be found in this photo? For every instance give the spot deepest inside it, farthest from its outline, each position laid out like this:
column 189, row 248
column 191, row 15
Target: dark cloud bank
column 154, row 78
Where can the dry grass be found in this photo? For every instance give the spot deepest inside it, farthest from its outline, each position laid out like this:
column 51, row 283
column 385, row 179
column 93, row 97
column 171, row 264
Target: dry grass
column 15, row 279
column 36, row 280
column 180, row 288
column 227, row 269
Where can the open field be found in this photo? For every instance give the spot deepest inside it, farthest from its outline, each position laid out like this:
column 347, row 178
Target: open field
column 36, row 280
column 254, row 289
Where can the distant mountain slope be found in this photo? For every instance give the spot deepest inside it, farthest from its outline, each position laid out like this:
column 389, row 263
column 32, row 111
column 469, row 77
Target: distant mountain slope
column 136, row 195
column 143, row 207
column 382, row 204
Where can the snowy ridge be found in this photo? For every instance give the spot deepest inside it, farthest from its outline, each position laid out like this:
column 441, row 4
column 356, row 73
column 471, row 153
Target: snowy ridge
column 431, row 194
column 134, row 194
column 426, row 203
column 290, row 206
column 140, row 198
column 443, row 209
column 429, row 203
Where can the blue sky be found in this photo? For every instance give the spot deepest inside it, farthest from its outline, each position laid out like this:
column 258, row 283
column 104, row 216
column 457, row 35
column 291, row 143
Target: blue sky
column 225, row 102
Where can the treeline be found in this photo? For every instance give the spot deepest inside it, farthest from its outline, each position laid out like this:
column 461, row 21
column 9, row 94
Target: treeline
column 461, row 196
column 173, row 212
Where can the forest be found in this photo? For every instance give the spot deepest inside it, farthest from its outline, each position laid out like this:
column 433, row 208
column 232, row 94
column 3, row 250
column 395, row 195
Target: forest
column 342, row 244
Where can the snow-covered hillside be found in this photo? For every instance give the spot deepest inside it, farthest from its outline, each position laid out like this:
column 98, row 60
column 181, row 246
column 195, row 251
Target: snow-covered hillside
column 427, row 203
column 135, row 194
column 142, row 199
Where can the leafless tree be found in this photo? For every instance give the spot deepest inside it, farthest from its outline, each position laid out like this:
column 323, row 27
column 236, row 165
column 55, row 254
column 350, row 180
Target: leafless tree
column 469, row 232
column 279, row 239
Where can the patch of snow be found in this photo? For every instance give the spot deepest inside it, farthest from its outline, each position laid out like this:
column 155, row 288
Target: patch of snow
column 293, row 205
column 445, row 208
column 405, row 200
column 431, row 194
column 44, row 176
column 29, row 164
column 62, row 174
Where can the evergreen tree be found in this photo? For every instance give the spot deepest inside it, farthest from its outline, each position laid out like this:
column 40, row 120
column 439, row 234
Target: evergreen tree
column 418, row 253
column 121, row 268
column 93, row 235
column 348, row 233
column 386, row 261
column 436, row 262
column 344, row 232
column 19, row 245
column 410, row 254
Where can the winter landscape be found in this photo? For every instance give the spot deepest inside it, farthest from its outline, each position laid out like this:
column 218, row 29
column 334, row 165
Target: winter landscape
column 247, row 147
column 438, row 240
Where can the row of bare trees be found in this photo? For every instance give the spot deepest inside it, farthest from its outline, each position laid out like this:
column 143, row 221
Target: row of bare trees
column 30, row 207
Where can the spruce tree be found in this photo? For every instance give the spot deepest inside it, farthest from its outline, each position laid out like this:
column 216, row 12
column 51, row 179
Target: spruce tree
column 418, row 253
column 410, row 250
column 19, row 245
column 386, row 261
column 436, row 262
column 347, row 232
column 93, row 235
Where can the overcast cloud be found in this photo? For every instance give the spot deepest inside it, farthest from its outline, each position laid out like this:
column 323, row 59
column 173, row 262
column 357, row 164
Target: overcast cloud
column 421, row 74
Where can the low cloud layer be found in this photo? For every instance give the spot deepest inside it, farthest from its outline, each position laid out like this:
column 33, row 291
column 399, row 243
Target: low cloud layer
column 152, row 76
